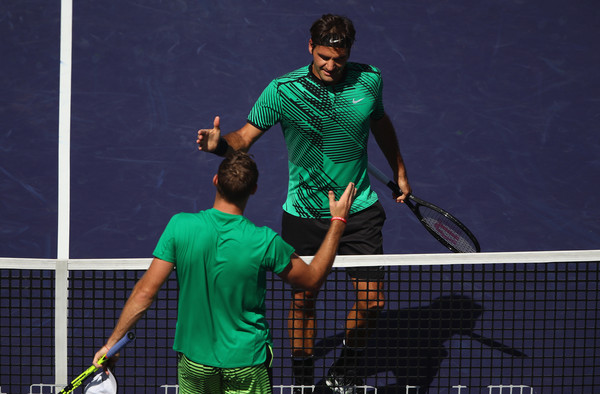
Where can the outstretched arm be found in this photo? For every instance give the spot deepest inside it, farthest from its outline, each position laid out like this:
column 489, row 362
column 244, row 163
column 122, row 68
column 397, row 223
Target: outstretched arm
column 385, row 136
column 210, row 140
column 142, row 296
column 311, row 276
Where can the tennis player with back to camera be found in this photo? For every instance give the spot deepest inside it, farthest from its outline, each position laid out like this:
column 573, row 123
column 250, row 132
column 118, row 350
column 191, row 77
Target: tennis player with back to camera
column 326, row 110
column 222, row 342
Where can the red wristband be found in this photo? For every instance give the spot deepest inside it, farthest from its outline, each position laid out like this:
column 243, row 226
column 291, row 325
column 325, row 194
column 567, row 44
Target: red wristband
column 338, row 218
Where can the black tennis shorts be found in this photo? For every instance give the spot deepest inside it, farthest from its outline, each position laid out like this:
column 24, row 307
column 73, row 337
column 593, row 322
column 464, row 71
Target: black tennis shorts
column 362, row 236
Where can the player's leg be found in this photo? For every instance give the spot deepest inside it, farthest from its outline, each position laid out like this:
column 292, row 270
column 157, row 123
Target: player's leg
column 301, row 329
column 347, row 372
column 363, row 236
column 305, row 235
column 370, row 299
column 302, row 324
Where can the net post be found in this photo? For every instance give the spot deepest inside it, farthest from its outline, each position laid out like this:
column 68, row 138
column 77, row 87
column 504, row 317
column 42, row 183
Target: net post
column 61, row 324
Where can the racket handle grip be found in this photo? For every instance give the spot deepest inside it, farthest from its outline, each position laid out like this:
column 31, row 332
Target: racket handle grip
column 384, row 179
column 130, row 336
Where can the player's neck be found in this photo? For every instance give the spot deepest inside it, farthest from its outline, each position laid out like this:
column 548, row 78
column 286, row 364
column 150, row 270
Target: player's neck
column 223, row 205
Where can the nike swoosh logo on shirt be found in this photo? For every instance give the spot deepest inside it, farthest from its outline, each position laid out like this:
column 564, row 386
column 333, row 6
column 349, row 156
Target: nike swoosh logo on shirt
column 355, row 101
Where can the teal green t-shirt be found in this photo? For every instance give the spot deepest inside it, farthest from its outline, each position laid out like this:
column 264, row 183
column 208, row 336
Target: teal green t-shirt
column 221, row 262
column 326, row 129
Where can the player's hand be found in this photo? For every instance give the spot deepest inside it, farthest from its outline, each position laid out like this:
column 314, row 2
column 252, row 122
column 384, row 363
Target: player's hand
column 406, row 190
column 208, row 139
column 341, row 207
column 108, row 364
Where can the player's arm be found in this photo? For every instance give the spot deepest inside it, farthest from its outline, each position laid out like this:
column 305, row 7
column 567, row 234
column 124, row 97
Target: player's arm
column 311, row 276
column 142, row 296
column 210, row 140
column 385, row 136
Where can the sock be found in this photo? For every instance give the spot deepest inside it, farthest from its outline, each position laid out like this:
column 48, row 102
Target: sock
column 303, row 370
column 350, row 356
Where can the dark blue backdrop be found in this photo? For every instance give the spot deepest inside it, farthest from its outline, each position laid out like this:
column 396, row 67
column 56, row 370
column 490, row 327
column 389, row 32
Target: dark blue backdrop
column 496, row 105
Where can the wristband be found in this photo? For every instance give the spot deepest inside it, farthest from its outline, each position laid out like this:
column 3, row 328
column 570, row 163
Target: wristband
column 222, row 147
column 339, row 218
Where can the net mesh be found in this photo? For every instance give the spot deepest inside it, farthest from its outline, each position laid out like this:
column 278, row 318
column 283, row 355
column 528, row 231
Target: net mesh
column 27, row 329
column 453, row 328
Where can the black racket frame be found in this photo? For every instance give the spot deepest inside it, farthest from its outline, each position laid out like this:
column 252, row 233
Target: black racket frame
column 414, row 202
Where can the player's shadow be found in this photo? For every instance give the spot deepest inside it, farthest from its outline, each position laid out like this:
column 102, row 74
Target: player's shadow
column 408, row 344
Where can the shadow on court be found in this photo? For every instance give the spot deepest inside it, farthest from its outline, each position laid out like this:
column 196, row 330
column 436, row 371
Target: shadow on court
column 408, row 345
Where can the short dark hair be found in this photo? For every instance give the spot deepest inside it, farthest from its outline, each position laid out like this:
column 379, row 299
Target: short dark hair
column 333, row 31
column 237, row 176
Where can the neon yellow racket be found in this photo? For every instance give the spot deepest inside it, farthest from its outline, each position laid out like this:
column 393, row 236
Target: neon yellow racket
column 130, row 336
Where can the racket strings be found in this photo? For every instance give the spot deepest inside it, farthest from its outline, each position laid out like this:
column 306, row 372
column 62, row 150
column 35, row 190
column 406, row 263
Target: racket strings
column 448, row 230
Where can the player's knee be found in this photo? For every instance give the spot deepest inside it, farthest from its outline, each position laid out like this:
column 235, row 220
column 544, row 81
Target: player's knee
column 304, row 301
column 374, row 306
column 371, row 306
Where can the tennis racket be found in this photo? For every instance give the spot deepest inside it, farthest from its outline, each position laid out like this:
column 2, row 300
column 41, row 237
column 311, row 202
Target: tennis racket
column 130, row 336
column 447, row 229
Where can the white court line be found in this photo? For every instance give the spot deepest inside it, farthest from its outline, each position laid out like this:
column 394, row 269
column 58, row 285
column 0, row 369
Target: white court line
column 64, row 196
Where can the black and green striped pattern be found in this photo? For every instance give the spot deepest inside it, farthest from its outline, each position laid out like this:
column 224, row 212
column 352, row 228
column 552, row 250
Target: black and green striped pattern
column 196, row 378
column 326, row 128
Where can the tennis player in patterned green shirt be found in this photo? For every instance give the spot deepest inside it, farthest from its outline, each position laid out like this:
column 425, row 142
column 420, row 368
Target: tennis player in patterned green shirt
column 221, row 259
column 326, row 110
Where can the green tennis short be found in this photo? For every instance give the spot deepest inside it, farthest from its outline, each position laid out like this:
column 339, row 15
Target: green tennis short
column 197, row 378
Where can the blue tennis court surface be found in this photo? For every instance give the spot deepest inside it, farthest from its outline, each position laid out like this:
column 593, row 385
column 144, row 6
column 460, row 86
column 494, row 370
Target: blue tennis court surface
column 495, row 104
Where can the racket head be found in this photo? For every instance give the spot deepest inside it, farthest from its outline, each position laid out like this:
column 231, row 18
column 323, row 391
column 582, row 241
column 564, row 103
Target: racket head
column 444, row 227
column 129, row 336
column 447, row 229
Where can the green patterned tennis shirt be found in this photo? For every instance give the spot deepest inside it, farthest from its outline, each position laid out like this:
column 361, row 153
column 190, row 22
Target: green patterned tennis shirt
column 326, row 129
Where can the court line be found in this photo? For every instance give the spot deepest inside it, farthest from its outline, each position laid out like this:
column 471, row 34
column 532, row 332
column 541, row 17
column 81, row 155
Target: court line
column 64, row 196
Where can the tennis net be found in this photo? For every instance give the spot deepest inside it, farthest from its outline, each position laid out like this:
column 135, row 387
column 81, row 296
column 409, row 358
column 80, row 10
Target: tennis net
column 452, row 323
